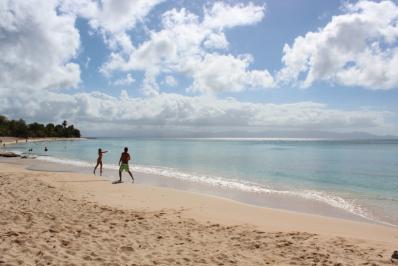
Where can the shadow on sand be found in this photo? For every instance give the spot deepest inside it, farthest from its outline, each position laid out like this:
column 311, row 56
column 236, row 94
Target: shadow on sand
column 81, row 181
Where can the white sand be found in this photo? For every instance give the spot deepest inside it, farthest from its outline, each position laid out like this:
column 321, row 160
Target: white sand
column 64, row 218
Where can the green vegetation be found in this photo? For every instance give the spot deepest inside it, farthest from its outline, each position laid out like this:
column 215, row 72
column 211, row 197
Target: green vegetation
column 19, row 128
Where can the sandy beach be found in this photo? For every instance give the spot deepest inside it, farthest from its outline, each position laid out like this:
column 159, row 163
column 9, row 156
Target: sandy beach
column 246, row 132
column 13, row 140
column 77, row 219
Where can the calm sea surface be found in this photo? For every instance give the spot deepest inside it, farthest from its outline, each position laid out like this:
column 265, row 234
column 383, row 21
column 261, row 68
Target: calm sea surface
column 359, row 176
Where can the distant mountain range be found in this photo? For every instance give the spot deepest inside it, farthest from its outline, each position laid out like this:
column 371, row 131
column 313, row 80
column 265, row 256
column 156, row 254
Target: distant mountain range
column 246, row 134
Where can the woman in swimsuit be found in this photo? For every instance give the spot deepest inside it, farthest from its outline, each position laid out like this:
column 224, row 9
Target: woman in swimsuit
column 99, row 160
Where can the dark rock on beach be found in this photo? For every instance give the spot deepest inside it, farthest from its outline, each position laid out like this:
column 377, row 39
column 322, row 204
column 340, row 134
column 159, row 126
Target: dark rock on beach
column 9, row 154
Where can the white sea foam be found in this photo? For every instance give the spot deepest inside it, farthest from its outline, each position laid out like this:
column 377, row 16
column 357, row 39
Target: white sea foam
column 65, row 161
column 235, row 184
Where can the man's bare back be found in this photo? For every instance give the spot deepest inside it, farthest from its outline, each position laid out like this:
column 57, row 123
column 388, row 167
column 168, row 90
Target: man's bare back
column 125, row 157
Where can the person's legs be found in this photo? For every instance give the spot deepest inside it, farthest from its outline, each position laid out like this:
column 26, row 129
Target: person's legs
column 100, row 168
column 120, row 175
column 131, row 175
column 95, row 168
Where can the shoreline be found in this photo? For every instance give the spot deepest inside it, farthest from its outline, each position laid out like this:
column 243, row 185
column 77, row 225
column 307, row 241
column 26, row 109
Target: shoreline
column 279, row 199
column 176, row 203
column 288, row 202
column 14, row 140
column 282, row 200
column 313, row 202
column 262, row 234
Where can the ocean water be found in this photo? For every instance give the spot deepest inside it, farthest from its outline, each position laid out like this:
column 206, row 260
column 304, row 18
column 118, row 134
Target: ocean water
column 357, row 176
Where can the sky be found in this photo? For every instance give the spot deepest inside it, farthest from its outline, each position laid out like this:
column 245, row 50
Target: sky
column 158, row 67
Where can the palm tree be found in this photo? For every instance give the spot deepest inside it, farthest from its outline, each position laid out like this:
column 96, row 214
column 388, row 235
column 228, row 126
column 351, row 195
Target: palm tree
column 65, row 123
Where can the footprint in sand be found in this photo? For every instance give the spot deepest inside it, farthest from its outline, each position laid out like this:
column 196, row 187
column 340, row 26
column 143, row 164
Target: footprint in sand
column 127, row 249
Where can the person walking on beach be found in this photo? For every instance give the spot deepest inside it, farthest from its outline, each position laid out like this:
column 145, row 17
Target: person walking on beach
column 99, row 160
column 124, row 164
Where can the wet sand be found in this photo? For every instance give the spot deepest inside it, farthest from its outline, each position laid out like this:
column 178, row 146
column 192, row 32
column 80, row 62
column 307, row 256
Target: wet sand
column 284, row 201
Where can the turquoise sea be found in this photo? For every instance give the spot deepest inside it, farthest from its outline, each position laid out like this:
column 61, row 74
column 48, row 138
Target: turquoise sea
column 357, row 176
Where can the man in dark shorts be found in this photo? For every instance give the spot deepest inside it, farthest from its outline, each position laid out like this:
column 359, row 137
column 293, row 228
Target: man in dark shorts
column 124, row 164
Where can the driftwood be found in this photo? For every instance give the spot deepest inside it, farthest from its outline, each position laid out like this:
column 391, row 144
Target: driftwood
column 9, row 154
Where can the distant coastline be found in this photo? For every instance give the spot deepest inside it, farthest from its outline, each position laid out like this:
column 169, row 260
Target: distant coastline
column 15, row 140
column 20, row 129
column 271, row 134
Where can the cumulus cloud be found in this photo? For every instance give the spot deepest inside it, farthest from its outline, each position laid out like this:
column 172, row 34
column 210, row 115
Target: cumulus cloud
column 37, row 46
column 112, row 18
column 124, row 81
column 39, row 43
column 170, row 81
column 216, row 40
column 357, row 48
column 39, row 40
column 187, row 41
column 222, row 15
column 217, row 73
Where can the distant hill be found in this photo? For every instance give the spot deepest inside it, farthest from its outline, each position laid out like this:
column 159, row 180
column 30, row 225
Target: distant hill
column 243, row 134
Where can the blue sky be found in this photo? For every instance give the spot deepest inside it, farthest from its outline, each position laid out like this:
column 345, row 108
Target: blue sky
column 283, row 22
column 202, row 65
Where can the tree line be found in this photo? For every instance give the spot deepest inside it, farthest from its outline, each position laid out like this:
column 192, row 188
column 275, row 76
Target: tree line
column 19, row 128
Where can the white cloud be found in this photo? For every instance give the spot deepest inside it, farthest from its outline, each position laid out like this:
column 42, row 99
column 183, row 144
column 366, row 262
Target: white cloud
column 170, row 81
column 124, row 81
column 178, row 110
column 39, row 41
column 218, row 73
column 112, row 18
column 37, row 46
column 186, row 42
column 357, row 48
column 87, row 63
column 222, row 15
column 216, row 40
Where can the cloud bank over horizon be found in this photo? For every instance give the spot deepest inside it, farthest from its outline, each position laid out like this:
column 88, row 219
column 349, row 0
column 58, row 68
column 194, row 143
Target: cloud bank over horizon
column 185, row 68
